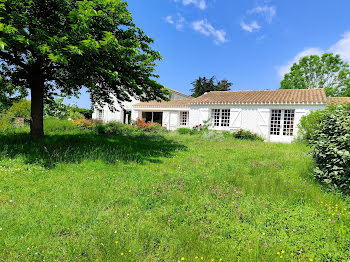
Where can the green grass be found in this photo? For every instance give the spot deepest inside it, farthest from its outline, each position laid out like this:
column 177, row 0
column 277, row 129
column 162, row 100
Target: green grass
column 71, row 196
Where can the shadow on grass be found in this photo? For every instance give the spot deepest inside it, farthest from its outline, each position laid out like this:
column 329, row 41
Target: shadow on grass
column 75, row 148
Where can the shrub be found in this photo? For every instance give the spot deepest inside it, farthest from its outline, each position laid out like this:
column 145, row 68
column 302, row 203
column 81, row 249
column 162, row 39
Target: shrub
column 211, row 135
column 331, row 148
column 5, row 122
column 84, row 124
column 309, row 124
column 72, row 115
column 116, row 128
column 150, row 127
column 247, row 135
column 20, row 109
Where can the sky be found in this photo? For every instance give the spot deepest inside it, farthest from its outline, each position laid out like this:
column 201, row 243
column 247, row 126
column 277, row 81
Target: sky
column 251, row 43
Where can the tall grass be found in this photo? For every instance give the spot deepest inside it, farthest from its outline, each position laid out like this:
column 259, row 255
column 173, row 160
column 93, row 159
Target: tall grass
column 83, row 197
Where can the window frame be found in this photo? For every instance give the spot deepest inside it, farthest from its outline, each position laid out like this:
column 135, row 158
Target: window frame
column 285, row 125
column 221, row 117
column 187, row 118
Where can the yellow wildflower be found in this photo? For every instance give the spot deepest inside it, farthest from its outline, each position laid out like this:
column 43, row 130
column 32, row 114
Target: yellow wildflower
column 182, row 258
column 278, row 253
column 282, row 252
column 129, row 250
column 311, row 259
column 122, row 254
column 281, row 256
column 196, row 257
column 117, row 242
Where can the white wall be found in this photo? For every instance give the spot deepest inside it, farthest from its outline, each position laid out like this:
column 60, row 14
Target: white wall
column 118, row 114
column 255, row 118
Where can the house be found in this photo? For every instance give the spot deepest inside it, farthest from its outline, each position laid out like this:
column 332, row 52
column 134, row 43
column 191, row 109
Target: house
column 273, row 114
column 125, row 112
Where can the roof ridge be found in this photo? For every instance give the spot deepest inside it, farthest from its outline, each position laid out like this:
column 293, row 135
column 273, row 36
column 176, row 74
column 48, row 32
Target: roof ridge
column 307, row 89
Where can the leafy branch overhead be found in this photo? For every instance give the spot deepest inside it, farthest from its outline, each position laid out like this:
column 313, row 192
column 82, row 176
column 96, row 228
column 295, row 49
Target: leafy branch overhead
column 59, row 46
column 327, row 71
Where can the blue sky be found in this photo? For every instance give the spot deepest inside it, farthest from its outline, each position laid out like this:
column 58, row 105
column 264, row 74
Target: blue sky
column 251, row 43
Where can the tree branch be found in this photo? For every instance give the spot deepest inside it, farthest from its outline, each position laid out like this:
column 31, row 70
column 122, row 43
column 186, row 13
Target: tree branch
column 13, row 59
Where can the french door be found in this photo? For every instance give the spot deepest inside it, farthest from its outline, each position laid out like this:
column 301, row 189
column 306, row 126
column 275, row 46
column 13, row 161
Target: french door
column 282, row 125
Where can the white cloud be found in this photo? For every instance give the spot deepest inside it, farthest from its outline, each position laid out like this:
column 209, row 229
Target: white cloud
column 169, row 19
column 342, row 48
column 205, row 28
column 178, row 21
column 201, row 4
column 267, row 11
column 253, row 26
column 284, row 69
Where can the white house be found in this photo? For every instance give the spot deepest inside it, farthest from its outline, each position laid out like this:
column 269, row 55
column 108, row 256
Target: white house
column 273, row 114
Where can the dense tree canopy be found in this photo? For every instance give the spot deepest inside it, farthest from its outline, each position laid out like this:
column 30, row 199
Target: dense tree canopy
column 203, row 85
column 55, row 47
column 328, row 72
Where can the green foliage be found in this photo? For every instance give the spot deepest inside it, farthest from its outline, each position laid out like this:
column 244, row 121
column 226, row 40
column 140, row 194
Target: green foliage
column 57, row 109
column 203, row 85
column 59, row 126
column 116, row 128
column 184, row 131
column 247, row 135
column 328, row 72
column 5, row 122
column 331, row 148
column 20, row 109
column 86, row 124
column 87, row 113
column 73, row 115
column 79, row 196
column 9, row 94
column 310, row 124
column 52, row 47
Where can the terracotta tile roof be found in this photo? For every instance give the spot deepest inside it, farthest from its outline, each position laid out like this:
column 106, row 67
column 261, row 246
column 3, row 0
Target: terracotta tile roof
column 263, row 96
column 177, row 92
column 338, row 100
column 166, row 104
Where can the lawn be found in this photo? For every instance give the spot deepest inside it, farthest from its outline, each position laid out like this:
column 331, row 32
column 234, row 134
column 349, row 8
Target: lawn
column 78, row 196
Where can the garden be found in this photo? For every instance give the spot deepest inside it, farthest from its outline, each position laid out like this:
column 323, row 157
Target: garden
column 92, row 191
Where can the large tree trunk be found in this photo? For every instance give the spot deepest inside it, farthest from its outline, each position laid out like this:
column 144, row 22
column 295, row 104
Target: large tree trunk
column 37, row 108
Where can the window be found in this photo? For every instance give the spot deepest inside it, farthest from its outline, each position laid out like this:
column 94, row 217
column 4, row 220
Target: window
column 225, row 117
column 216, row 117
column 283, row 118
column 184, row 118
column 276, row 122
column 154, row 117
column 100, row 114
column 221, row 117
column 288, row 123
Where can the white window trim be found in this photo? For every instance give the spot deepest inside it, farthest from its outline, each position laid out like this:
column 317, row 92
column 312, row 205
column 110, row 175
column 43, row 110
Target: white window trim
column 280, row 133
column 219, row 124
column 187, row 118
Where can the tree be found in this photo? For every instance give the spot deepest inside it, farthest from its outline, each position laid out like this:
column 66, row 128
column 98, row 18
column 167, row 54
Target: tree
column 55, row 47
column 328, row 72
column 8, row 94
column 203, row 85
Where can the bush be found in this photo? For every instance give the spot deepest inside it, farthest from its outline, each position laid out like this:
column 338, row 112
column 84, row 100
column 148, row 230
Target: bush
column 247, row 135
column 85, row 124
column 331, row 147
column 5, row 122
column 149, row 127
column 211, row 135
column 309, row 124
column 20, row 109
column 116, row 128
column 72, row 115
